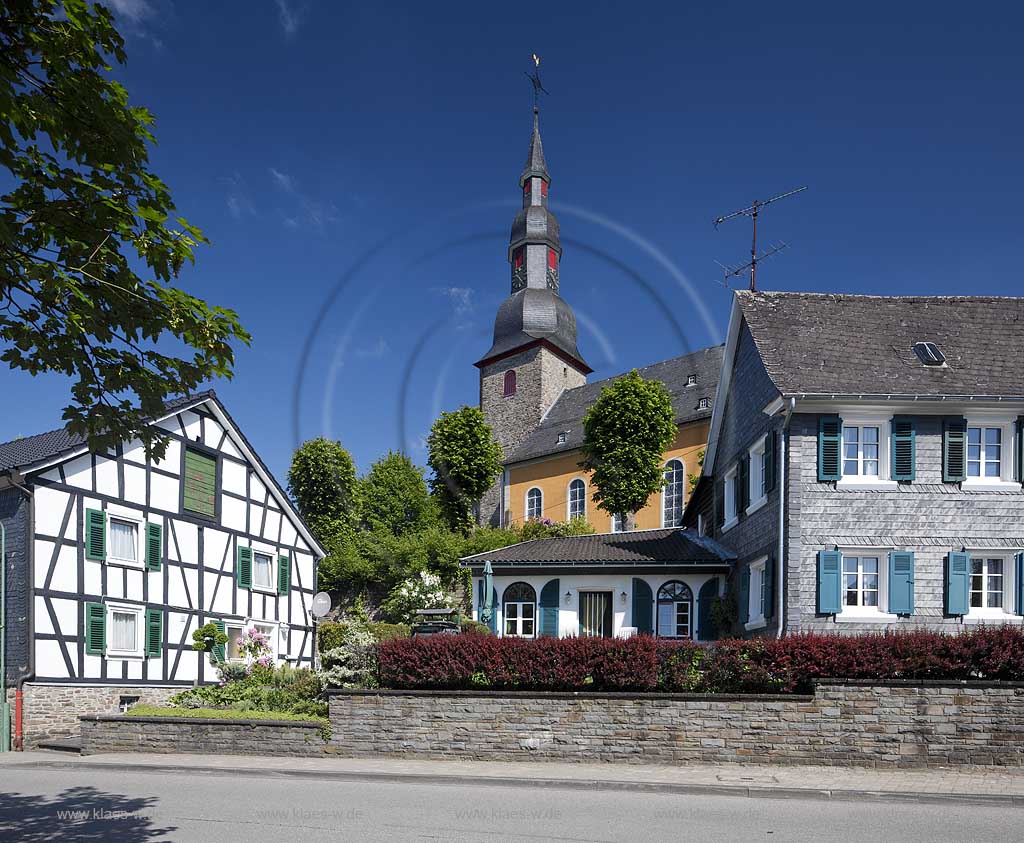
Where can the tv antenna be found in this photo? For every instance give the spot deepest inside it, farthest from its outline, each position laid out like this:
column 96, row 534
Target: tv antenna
column 534, row 78
column 755, row 258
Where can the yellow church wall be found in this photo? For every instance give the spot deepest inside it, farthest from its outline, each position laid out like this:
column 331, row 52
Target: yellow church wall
column 553, row 474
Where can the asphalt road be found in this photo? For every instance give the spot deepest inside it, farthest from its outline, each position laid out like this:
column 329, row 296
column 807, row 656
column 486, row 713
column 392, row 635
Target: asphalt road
column 92, row 805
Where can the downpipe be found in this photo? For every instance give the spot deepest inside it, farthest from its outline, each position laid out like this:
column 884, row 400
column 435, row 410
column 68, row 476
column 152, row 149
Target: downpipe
column 780, row 564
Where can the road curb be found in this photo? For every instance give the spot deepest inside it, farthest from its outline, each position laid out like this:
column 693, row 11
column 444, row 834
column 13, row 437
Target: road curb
column 621, row 785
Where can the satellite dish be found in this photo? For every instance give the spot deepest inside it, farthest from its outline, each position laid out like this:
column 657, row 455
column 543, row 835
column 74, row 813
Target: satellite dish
column 321, row 604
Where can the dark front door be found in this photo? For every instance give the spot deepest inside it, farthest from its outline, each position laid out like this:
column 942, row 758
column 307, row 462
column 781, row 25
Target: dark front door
column 596, row 614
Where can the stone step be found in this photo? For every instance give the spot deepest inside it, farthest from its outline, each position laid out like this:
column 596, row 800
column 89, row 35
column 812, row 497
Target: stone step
column 69, row 744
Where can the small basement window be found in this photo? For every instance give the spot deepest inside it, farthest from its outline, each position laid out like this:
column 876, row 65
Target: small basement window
column 929, row 354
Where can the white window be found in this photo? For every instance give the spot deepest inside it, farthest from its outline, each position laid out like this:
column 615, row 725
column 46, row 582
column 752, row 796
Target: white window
column 704, row 404
column 675, row 610
column 233, row 632
column 985, row 447
column 673, row 494
column 272, row 631
column 262, row 570
column 757, row 494
column 534, row 503
column 988, row 582
column 862, row 581
column 519, row 603
column 861, row 450
column 577, row 499
column 618, row 523
column 236, row 629
column 729, row 504
column 125, row 630
column 124, row 540
column 756, row 595
column 691, row 380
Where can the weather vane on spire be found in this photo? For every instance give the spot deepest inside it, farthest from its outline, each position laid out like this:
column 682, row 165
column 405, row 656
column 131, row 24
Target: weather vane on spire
column 534, row 77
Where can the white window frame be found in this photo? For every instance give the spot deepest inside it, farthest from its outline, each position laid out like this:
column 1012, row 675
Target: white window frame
column 266, row 589
column 241, row 627
column 884, row 433
column 568, row 499
column 526, row 504
column 619, row 525
column 756, row 595
column 140, row 621
column 274, row 634
column 1006, row 453
column 866, row 614
column 729, row 504
column 756, row 493
column 664, row 488
column 1004, row 613
column 140, row 537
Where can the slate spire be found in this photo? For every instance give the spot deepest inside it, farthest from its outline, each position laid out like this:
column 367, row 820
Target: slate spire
column 535, row 163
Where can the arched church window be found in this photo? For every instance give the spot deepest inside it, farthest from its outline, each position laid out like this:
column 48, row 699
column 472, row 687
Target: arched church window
column 534, row 504
column 673, row 493
column 509, row 388
column 577, row 499
column 675, row 610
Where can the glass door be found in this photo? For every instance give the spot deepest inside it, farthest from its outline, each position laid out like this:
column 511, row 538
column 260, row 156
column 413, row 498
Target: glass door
column 596, row 614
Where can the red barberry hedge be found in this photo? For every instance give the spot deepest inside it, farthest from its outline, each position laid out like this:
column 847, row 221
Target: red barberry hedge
column 642, row 663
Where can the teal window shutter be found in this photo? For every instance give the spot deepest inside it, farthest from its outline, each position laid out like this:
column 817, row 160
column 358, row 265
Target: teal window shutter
column 769, row 588
column 154, row 546
column 1020, row 449
column 903, row 450
column 707, row 629
column 901, row 583
column 830, row 597
column 744, row 606
column 219, row 650
column 744, row 483
column 154, row 632
column 769, row 461
column 954, row 450
column 493, row 622
column 243, row 567
column 958, row 583
column 284, row 574
column 549, row 609
column 1020, row 583
column 95, row 629
column 643, row 607
column 95, row 535
column 830, row 434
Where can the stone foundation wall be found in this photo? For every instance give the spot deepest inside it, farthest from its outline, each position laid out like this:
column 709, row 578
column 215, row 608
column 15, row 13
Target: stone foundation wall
column 53, row 711
column 896, row 725
column 116, row 733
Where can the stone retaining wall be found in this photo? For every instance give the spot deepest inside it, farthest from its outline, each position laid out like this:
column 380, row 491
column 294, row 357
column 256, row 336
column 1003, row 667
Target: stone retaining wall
column 121, row 733
column 912, row 724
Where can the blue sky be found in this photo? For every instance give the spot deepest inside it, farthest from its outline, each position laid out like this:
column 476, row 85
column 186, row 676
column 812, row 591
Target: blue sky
column 355, row 167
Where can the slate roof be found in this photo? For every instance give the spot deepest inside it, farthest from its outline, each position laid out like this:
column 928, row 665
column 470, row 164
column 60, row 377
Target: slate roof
column 29, row 450
column 671, row 545
column 535, row 163
column 828, row 344
column 566, row 415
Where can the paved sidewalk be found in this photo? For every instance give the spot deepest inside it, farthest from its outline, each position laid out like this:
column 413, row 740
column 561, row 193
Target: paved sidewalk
column 977, row 785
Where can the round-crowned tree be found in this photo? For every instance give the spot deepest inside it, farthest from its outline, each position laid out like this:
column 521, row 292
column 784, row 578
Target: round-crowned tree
column 394, row 497
column 322, row 482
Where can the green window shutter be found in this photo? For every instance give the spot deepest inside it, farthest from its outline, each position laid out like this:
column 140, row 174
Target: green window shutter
column 954, row 450
column 154, row 545
column 220, row 650
column 830, row 444
column 548, row 626
column 707, row 630
column 643, row 607
column 830, row 596
column 958, row 583
column 95, row 535
column 903, row 456
column 901, row 583
column 284, row 574
column 1020, row 583
column 200, row 489
column 769, row 461
column 1020, row 449
column 154, row 632
column 769, row 588
column 493, row 622
column 243, row 567
column 744, row 598
column 95, row 629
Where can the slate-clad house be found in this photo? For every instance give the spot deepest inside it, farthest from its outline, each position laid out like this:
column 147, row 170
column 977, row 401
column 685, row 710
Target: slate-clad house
column 660, row 582
column 114, row 560
column 891, row 430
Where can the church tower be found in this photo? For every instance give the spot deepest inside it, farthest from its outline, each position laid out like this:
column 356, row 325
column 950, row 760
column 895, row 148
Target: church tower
column 534, row 356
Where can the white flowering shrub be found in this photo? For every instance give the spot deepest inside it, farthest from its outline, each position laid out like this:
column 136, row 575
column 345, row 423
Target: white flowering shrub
column 352, row 664
column 406, row 598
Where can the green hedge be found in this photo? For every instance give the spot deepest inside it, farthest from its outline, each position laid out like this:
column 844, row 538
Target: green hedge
column 219, row 714
column 330, row 634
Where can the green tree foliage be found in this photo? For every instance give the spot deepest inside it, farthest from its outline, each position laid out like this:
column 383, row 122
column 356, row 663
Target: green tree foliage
column 465, row 461
column 394, row 497
column 322, row 482
column 626, row 432
column 88, row 242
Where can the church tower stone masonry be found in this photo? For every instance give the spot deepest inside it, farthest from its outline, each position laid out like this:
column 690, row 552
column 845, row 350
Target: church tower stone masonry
column 534, row 357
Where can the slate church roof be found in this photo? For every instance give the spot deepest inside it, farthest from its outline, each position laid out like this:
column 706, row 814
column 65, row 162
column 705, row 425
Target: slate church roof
column 566, row 415
column 673, row 546
column 823, row 344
